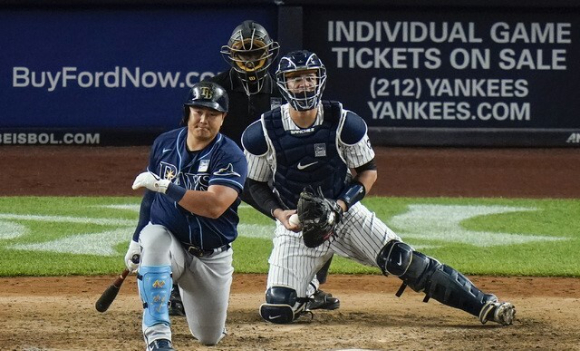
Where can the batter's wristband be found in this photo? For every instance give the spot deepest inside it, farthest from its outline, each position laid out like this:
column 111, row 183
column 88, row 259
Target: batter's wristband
column 175, row 192
column 353, row 193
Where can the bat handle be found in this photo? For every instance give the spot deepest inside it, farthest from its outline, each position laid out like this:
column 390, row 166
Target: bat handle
column 121, row 277
column 125, row 274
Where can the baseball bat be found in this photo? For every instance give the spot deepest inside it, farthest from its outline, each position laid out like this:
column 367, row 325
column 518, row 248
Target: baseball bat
column 111, row 292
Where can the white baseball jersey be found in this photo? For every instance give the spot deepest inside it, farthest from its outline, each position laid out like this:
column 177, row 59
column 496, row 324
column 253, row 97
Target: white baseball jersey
column 360, row 235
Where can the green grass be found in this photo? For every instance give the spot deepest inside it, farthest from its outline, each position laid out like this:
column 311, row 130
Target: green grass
column 53, row 236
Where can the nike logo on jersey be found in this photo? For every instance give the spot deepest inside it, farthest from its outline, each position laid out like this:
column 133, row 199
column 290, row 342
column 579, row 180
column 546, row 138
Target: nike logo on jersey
column 165, row 150
column 301, row 166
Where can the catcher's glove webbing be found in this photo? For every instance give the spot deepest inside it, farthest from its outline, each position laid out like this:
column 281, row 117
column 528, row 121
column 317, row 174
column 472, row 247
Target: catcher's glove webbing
column 318, row 216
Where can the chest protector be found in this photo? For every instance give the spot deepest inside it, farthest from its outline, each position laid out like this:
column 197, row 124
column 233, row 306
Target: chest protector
column 307, row 157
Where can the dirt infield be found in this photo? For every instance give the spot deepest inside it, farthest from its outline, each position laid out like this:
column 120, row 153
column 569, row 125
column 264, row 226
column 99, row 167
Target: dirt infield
column 58, row 313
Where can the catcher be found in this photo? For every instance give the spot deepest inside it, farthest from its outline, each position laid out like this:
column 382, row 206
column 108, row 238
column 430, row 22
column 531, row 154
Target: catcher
column 320, row 161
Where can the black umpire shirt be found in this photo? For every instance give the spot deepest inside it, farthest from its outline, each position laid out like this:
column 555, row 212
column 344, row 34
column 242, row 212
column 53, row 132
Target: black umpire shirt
column 244, row 109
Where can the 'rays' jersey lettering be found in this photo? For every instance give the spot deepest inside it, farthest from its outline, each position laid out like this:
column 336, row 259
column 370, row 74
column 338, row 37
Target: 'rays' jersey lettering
column 221, row 162
column 194, row 181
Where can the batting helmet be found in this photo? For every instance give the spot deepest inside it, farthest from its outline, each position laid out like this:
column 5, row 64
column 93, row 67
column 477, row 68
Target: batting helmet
column 250, row 51
column 206, row 94
column 290, row 66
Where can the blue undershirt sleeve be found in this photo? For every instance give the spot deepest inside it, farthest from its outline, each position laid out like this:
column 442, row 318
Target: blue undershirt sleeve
column 144, row 213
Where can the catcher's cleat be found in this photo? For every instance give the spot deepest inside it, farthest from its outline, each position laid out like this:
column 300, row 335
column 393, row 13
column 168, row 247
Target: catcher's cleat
column 321, row 300
column 175, row 304
column 500, row 312
column 160, row 345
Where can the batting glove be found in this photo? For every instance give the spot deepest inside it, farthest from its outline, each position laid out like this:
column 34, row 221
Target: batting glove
column 151, row 181
column 133, row 256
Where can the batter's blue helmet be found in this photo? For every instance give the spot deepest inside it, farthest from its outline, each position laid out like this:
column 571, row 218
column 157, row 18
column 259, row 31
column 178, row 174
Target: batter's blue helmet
column 206, row 94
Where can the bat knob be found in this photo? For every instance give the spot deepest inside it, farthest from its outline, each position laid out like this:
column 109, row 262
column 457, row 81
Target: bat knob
column 135, row 258
column 100, row 307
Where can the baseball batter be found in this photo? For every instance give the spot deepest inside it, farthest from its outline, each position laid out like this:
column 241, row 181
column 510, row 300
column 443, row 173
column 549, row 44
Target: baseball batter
column 188, row 220
column 318, row 145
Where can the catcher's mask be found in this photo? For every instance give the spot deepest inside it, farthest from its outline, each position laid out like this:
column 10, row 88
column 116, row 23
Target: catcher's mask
column 250, row 51
column 206, row 94
column 301, row 67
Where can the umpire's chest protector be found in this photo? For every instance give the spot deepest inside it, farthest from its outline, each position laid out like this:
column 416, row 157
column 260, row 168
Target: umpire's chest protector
column 307, row 157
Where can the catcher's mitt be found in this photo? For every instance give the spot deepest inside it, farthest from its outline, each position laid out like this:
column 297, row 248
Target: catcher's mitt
column 318, row 216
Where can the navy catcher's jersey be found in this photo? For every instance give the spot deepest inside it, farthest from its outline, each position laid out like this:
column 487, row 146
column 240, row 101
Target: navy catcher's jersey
column 222, row 162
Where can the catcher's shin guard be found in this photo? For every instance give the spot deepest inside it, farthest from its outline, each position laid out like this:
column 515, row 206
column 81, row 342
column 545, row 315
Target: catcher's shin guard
column 438, row 281
column 280, row 305
column 155, row 284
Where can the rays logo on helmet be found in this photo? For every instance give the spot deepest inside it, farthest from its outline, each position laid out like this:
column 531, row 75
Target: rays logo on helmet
column 206, row 93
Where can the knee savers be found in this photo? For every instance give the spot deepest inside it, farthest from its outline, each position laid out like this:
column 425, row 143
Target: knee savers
column 155, row 284
column 279, row 306
column 423, row 273
column 414, row 268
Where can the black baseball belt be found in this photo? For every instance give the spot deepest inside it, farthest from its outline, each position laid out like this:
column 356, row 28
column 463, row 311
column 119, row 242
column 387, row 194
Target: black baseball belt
column 199, row 252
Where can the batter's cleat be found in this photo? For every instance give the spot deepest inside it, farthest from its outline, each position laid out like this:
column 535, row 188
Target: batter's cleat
column 500, row 312
column 175, row 304
column 321, row 300
column 160, row 345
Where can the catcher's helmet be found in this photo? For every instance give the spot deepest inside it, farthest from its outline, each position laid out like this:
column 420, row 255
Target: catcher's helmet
column 250, row 52
column 206, row 94
column 298, row 61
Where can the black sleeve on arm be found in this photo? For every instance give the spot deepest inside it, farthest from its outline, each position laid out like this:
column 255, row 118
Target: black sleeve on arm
column 371, row 165
column 263, row 196
column 144, row 213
